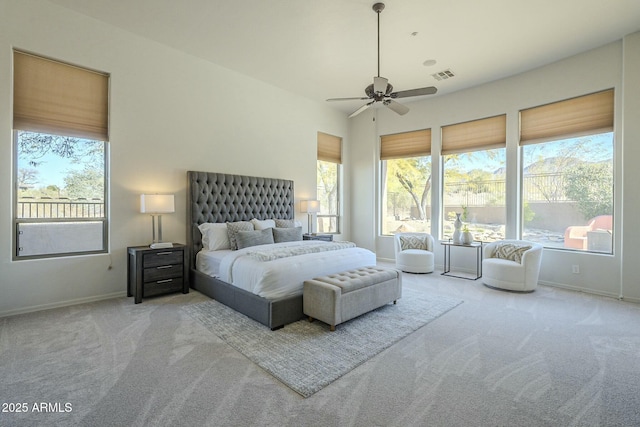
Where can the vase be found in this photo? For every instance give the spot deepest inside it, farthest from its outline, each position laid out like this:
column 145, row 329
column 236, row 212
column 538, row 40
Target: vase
column 457, row 234
column 467, row 238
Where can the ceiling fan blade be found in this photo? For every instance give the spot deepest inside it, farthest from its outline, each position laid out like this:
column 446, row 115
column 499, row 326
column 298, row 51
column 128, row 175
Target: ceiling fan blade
column 361, row 109
column 357, row 98
column 380, row 84
column 396, row 107
column 415, row 92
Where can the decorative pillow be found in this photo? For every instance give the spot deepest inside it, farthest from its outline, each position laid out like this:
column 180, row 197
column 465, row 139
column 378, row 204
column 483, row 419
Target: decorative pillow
column 214, row 236
column 287, row 234
column 261, row 225
column 285, row 223
column 245, row 239
column 233, row 228
column 510, row 251
column 413, row 242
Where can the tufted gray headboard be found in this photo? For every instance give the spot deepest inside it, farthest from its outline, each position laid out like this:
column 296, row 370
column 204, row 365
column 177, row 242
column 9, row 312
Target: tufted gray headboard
column 221, row 197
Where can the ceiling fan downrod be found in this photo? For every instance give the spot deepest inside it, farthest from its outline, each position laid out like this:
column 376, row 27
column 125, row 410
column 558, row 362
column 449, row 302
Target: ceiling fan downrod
column 378, row 8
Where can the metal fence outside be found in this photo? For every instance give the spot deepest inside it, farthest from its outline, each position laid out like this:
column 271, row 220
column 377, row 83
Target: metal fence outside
column 547, row 187
column 60, row 208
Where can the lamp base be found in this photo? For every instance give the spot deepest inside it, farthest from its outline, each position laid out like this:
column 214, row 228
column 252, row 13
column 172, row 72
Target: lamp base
column 161, row 245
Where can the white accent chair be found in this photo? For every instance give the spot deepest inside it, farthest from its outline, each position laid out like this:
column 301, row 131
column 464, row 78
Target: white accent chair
column 512, row 275
column 413, row 260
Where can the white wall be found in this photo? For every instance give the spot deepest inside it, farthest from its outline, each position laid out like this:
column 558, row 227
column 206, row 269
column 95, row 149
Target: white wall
column 170, row 113
column 629, row 126
column 592, row 71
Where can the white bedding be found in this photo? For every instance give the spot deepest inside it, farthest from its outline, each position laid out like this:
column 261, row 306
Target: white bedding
column 282, row 277
column 208, row 262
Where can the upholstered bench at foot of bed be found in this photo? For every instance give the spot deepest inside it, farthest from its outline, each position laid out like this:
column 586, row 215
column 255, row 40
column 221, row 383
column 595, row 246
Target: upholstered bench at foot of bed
column 339, row 297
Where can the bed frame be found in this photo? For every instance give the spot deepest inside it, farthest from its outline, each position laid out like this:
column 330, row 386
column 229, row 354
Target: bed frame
column 219, row 197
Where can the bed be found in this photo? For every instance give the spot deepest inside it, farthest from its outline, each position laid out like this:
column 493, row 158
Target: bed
column 214, row 199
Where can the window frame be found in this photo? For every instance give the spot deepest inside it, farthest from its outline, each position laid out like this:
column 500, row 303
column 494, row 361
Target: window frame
column 337, row 215
column 17, row 221
column 53, row 97
column 477, row 135
column 397, row 146
column 584, row 115
column 329, row 150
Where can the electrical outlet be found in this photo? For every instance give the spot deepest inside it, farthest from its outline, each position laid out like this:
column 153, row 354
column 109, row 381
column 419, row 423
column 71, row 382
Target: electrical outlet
column 575, row 268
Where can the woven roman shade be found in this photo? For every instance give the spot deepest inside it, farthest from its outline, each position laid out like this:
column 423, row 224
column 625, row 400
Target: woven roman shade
column 329, row 148
column 482, row 134
column 406, row 144
column 589, row 114
column 60, row 99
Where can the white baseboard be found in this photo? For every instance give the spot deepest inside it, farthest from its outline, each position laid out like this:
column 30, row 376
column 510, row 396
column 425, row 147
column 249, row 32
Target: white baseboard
column 589, row 291
column 59, row 304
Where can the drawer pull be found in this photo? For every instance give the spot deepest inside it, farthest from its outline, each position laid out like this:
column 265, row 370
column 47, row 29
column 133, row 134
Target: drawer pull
column 164, row 253
column 162, row 267
column 165, row 281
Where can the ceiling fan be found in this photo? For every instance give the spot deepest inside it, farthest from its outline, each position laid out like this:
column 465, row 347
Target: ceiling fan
column 381, row 90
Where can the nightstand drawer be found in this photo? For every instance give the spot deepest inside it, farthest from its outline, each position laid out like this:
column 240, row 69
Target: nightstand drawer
column 162, row 272
column 167, row 257
column 162, row 286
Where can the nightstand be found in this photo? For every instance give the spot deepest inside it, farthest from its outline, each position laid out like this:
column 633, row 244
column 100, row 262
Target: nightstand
column 324, row 237
column 156, row 271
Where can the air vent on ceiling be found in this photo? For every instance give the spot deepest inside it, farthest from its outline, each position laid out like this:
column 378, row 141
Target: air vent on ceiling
column 443, row 75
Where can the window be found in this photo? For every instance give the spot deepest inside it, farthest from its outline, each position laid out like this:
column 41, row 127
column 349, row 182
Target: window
column 406, row 182
column 567, row 173
column 473, row 159
column 328, row 182
column 60, row 131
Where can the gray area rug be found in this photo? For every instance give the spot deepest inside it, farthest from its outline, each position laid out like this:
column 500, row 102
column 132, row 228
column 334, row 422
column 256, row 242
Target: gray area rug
column 305, row 355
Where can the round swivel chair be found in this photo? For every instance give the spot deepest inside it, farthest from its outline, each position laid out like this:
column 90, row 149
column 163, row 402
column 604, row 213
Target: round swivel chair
column 414, row 252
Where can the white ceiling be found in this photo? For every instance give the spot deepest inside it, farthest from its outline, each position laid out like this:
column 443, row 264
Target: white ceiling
column 327, row 49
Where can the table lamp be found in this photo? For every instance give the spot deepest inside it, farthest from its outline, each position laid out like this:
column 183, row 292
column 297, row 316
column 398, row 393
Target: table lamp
column 310, row 207
column 157, row 204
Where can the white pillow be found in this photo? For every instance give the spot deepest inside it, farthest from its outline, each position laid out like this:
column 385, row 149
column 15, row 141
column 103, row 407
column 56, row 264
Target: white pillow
column 264, row 224
column 214, row 236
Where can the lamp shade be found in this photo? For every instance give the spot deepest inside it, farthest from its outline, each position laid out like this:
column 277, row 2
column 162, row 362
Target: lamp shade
column 157, row 203
column 310, row 206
